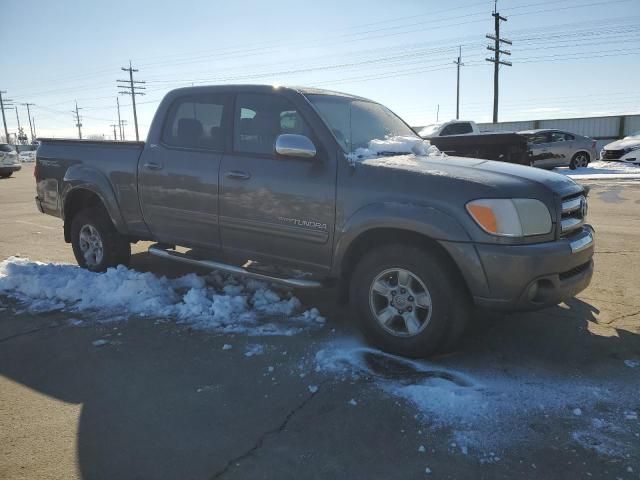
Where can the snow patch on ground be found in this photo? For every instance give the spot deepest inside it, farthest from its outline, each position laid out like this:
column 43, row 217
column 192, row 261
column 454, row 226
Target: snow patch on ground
column 602, row 170
column 215, row 303
column 488, row 412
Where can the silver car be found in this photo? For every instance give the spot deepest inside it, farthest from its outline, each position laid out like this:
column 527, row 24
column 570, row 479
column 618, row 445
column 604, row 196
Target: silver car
column 9, row 161
column 549, row 148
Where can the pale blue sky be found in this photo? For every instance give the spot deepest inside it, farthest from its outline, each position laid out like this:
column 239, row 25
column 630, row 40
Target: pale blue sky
column 571, row 57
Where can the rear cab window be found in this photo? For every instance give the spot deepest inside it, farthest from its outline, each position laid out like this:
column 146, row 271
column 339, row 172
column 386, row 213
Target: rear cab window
column 457, row 129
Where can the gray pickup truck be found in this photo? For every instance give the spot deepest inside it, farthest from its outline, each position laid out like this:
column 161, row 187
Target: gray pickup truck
column 309, row 188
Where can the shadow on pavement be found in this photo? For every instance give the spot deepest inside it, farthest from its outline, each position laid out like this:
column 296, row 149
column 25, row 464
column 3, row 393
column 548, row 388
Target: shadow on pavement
column 164, row 402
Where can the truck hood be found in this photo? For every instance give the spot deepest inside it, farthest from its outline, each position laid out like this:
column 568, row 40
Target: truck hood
column 626, row 142
column 499, row 175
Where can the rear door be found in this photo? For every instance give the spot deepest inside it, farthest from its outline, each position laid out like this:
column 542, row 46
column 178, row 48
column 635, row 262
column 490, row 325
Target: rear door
column 273, row 208
column 178, row 176
column 539, row 144
column 561, row 147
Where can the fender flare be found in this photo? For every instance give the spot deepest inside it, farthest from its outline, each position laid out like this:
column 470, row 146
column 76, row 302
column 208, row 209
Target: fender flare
column 421, row 219
column 80, row 177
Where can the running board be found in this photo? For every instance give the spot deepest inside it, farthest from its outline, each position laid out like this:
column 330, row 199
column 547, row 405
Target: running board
column 181, row 257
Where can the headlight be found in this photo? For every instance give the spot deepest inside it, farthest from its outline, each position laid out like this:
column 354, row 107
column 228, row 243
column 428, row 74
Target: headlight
column 516, row 217
column 631, row 149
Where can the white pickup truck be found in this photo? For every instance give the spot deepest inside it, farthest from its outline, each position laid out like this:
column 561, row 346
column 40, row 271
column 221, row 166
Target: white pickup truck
column 452, row 127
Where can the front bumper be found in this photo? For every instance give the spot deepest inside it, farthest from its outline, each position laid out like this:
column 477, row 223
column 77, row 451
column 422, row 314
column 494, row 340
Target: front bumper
column 530, row 277
column 630, row 157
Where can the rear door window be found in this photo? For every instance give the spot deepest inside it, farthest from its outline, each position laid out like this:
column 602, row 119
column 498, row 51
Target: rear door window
column 557, row 137
column 196, row 122
column 539, row 138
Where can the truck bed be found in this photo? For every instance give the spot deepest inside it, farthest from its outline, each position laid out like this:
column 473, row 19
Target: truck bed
column 62, row 164
column 506, row 147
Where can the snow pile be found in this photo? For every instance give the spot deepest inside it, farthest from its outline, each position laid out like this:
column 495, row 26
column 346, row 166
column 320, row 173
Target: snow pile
column 220, row 304
column 394, row 145
column 602, row 170
column 487, row 412
column 27, row 156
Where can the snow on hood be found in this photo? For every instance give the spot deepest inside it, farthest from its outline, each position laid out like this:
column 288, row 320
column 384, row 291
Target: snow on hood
column 394, row 145
column 217, row 303
column 626, row 142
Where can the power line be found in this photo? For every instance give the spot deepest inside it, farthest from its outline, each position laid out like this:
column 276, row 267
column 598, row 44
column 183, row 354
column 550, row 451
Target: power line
column 134, row 88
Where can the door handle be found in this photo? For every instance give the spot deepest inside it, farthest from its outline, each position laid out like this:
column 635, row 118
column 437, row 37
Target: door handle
column 238, row 175
column 153, row 166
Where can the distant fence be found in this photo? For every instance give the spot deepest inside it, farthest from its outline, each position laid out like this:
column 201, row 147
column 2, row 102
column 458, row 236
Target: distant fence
column 599, row 128
column 602, row 129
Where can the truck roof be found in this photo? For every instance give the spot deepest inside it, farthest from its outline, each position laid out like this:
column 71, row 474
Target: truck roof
column 266, row 88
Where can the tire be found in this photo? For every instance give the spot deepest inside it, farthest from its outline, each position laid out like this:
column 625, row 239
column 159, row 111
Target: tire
column 92, row 227
column 6, row 175
column 424, row 331
column 580, row 159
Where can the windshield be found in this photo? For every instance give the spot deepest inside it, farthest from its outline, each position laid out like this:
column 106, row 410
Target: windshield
column 635, row 134
column 430, row 130
column 5, row 148
column 358, row 123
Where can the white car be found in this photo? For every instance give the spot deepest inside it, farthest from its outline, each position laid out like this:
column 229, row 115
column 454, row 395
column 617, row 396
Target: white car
column 625, row 150
column 9, row 162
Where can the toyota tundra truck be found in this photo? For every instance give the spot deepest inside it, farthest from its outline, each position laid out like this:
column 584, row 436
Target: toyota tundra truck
column 310, row 188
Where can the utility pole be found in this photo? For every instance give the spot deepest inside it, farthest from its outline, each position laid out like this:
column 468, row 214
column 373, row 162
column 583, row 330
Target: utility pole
column 123, row 124
column 29, row 116
column 133, row 90
column 34, row 127
column 119, row 121
column 76, row 112
column 496, row 58
column 438, row 113
column 115, row 137
column 20, row 137
column 4, row 104
column 459, row 64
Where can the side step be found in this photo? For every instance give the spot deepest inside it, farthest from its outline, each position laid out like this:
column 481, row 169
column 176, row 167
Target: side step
column 223, row 267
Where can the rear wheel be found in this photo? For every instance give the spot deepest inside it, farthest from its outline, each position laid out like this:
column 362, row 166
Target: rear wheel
column 96, row 243
column 408, row 300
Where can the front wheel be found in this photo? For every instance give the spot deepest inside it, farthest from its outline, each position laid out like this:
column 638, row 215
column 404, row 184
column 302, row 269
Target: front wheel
column 580, row 159
column 408, row 300
column 96, row 243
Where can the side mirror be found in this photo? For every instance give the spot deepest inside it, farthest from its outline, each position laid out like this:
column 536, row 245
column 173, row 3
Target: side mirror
column 290, row 145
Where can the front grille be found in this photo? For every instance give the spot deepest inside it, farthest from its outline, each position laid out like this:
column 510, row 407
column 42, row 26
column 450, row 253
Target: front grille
column 575, row 271
column 573, row 212
column 612, row 154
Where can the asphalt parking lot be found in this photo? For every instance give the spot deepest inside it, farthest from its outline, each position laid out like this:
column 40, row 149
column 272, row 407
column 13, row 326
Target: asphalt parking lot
column 549, row 394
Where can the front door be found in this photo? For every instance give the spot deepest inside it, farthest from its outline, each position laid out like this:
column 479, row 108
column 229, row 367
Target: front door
column 178, row 177
column 275, row 209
